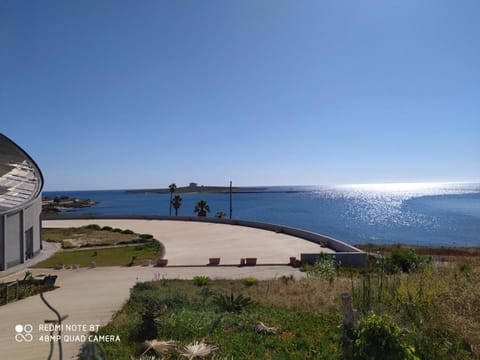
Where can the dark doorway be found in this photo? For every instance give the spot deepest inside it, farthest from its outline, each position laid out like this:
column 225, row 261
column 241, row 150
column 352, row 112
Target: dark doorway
column 29, row 243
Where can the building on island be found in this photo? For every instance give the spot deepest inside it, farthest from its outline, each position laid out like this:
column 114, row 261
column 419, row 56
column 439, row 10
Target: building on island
column 21, row 184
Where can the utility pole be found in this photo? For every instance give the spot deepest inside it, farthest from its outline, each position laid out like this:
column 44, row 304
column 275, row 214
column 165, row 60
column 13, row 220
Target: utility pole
column 230, row 199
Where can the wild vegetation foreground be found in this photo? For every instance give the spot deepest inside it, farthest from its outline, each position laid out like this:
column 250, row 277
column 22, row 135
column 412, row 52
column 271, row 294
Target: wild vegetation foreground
column 409, row 307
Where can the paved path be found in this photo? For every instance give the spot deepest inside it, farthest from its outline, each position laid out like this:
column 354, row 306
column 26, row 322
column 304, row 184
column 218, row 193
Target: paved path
column 91, row 296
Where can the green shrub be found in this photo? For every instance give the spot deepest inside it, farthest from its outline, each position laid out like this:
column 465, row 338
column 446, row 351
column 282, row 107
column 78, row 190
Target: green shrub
column 378, row 337
column 144, row 286
column 406, row 261
column 146, row 236
column 93, row 227
column 250, row 281
column 325, row 268
column 201, row 280
column 149, row 307
column 134, row 241
column 233, row 304
column 107, row 228
column 127, row 231
column 117, row 230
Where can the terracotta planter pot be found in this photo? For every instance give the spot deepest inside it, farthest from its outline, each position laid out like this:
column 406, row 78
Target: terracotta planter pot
column 161, row 262
column 213, row 261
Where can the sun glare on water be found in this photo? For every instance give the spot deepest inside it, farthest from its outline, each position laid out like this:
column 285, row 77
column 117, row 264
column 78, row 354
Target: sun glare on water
column 400, row 187
column 395, row 193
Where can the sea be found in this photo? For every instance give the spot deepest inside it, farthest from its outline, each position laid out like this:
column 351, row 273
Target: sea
column 422, row 214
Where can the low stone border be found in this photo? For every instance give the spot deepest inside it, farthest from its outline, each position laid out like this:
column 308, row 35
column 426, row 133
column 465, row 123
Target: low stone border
column 347, row 254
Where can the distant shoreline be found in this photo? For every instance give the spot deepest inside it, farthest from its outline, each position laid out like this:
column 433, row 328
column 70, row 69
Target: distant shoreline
column 212, row 190
column 59, row 204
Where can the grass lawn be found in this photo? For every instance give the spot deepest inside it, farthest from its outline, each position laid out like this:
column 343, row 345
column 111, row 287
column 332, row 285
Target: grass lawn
column 117, row 256
column 182, row 311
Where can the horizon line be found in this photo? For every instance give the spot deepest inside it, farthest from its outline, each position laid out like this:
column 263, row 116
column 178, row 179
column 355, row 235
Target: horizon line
column 420, row 183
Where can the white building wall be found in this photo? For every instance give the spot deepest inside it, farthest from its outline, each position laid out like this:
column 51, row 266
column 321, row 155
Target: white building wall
column 2, row 244
column 14, row 237
column 31, row 218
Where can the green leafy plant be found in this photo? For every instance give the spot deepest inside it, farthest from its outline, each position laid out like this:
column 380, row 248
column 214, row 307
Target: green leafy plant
column 144, row 286
column 378, row 337
column 149, row 311
column 325, row 268
column 127, row 231
column 250, row 281
column 201, row 280
column 233, row 304
column 107, row 228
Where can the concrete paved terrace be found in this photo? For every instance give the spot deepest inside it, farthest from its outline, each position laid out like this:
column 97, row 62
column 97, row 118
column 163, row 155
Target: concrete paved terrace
column 193, row 243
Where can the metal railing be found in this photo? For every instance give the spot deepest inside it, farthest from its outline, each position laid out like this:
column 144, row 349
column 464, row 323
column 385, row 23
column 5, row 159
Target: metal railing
column 6, row 288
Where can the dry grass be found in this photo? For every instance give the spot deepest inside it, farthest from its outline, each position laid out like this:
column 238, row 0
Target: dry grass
column 458, row 308
column 307, row 294
column 441, row 300
column 470, row 255
column 79, row 237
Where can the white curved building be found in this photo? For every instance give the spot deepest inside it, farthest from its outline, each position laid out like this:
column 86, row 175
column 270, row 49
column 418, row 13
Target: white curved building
column 21, row 184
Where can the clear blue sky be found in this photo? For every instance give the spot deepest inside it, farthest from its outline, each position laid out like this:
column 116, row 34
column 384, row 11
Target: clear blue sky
column 133, row 94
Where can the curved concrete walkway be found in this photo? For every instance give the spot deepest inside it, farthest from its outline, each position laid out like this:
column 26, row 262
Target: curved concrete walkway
column 192, row 243
column 91, row 296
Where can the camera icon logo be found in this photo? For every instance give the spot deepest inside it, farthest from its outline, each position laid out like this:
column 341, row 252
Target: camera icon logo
column 23, row 333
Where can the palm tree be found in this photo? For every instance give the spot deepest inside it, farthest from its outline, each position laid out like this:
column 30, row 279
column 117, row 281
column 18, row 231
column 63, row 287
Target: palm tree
column 201, row 208
column 172, row 188
column 176, row 203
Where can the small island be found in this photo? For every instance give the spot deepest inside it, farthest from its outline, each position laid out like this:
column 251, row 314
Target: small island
column 64, row 203
column 194, row 188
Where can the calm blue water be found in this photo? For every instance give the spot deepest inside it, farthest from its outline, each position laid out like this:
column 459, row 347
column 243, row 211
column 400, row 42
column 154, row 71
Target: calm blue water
column 417, row 214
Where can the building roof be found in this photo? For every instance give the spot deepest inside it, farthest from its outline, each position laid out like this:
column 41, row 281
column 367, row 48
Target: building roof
column 20, row 178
